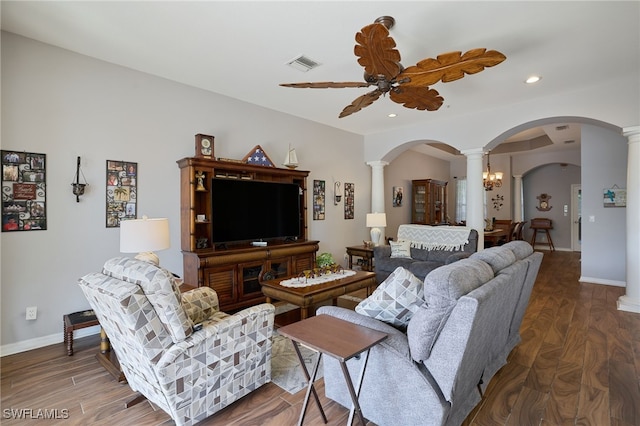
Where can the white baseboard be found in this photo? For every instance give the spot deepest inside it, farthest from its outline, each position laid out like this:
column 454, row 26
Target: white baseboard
column 603, row 282
column 546, row 247
column 39, row 342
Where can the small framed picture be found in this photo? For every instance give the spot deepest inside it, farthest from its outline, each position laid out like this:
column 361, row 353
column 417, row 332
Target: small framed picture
column 397, row 196
column 204, row 146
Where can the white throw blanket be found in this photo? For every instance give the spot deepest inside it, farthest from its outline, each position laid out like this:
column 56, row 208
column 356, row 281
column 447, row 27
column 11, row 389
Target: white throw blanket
column 435, row 237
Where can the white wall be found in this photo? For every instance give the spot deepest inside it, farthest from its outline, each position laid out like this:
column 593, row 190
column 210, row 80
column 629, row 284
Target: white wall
column 66, row 105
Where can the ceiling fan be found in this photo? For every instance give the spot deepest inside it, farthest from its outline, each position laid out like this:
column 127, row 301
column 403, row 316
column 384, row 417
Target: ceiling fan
column 376, row 52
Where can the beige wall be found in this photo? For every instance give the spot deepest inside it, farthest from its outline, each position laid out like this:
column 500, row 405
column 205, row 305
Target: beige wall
column 66, row 105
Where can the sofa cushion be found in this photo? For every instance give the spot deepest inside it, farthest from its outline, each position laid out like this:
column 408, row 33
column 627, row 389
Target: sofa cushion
column 161, row 289
column 497, row 257
column 400, row 249
column 442, row 288
column 421, row 269
column 520, row 249
column 395, row 300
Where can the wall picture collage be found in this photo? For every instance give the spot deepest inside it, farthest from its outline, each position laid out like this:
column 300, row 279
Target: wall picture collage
column 24, row 191
column 122, row 192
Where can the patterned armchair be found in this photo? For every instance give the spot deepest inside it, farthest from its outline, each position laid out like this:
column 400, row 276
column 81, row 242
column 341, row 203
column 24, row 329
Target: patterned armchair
column 179, row 350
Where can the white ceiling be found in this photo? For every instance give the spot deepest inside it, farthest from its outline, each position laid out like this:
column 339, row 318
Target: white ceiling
column 239, row 49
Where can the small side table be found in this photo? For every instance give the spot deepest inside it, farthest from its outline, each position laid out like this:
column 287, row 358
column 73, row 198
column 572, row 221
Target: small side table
column 338, row 339
column 76, row 321
column 366, row 253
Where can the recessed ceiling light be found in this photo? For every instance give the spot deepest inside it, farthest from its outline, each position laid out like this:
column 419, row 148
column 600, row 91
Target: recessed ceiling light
column 533, row 79
column 392, row 115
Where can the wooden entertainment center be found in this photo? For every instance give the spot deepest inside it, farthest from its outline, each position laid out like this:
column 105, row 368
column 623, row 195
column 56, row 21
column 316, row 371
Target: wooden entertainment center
column 234, row 270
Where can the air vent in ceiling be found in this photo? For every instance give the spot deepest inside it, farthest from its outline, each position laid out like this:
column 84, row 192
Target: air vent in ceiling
column 570, row 141
column 563, row 127
column 303, row 63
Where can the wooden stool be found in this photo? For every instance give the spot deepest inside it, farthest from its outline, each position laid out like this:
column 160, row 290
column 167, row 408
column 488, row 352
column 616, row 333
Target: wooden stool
column 76, row 321
column 541, row 225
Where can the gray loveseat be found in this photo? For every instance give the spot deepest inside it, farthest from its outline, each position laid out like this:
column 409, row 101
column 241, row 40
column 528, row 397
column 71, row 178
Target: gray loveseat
column 428, row 250
column 434, row 373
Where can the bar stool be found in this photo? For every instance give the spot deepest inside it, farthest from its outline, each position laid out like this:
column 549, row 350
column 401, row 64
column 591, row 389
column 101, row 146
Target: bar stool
column 541, row 225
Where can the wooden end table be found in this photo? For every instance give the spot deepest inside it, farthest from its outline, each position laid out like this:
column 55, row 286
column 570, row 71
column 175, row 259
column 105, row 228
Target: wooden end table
column 306, row 297
column 338, row 339
column 366, row 253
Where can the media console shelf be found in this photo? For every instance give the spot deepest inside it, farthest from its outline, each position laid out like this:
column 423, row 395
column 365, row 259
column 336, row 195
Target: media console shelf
column 234, row 269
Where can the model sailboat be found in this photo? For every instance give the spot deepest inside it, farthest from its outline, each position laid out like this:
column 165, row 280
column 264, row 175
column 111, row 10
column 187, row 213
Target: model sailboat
column 291, row 160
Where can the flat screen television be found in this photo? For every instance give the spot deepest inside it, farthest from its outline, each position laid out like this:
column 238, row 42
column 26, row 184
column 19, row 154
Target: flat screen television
column 249, row 210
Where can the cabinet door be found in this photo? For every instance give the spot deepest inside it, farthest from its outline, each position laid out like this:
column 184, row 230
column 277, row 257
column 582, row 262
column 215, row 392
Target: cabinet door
column 223, row 280
column 302, row 262
column 419, row 210
column 249, row 274
column 279, row 268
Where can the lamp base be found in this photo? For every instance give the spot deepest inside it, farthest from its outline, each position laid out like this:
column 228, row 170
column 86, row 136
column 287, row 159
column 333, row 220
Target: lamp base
column 149, row 256
column 375, row 236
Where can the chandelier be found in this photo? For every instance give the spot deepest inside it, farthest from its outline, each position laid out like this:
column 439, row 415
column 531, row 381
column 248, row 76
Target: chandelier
column 489, row 180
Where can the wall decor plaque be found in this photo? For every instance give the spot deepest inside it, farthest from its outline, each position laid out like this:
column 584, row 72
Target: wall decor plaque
column 24, row 191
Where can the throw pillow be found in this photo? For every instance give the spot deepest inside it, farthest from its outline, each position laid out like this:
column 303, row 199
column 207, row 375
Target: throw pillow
column 400, row 249
column 395, row 300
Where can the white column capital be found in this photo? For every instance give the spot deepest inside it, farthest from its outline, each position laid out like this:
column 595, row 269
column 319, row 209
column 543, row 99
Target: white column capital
column 474, row 152
column 629, row 132
column 377, row 163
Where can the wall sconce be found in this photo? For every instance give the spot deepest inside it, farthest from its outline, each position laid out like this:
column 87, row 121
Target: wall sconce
column 336, row 193
column 78, row 188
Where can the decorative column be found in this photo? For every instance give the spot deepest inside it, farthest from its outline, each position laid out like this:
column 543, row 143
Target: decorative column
column 517, row 198
column 377, row 189
column 475, row 193
column 631, row 300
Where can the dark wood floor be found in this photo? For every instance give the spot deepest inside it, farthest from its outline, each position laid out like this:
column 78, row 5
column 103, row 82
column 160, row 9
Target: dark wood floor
column 578, row 363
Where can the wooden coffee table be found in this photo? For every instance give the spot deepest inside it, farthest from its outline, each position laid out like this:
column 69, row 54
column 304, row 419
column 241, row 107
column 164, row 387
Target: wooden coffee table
column 305, row 297
column 338, row 339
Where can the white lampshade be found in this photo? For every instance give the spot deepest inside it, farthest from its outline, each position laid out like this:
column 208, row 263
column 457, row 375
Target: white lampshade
column 144, row 236
column 374, row 220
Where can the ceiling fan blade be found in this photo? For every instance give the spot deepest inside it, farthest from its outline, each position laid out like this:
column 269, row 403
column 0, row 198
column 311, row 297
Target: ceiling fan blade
column 376, row 52
column 449, row 67
column 417, row 97
column 361, row 102
column 327, row 85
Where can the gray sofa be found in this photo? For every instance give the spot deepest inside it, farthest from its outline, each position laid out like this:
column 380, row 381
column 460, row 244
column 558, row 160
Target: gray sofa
column 434, row 373
column 423, row 260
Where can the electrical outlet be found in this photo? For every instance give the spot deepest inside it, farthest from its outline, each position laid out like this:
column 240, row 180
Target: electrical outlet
column 32, row 312
column 346, row 256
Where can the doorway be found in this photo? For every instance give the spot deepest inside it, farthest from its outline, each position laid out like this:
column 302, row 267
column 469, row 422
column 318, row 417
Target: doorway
column 576, row 217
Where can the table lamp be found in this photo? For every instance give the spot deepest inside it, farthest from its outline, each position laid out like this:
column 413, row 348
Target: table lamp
column 374, row 221
column 144, row 236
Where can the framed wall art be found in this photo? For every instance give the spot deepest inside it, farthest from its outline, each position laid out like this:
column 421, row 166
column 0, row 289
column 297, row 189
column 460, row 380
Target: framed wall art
column 122, row 192
column 318, row 199
column 615, row 197
column 398, row 193
column 24, row 191
column 349, row 200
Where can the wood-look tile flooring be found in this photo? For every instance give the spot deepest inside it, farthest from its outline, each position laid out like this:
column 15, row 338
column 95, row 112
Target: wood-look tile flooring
column 578, row 364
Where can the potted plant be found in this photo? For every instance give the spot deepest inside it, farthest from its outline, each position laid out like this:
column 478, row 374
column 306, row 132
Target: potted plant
column 324, row 259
